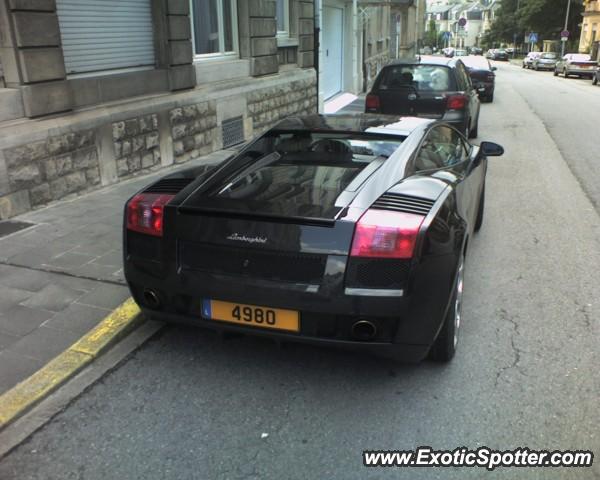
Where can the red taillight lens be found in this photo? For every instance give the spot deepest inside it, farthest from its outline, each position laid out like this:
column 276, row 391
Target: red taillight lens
column 385, row 234
column 372, row 102
column 456, row 102
column 145, row 213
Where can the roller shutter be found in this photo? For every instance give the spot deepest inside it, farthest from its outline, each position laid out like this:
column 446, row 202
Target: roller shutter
column 99, row 35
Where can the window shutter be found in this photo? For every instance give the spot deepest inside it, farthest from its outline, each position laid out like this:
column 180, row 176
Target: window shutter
column 100, row 35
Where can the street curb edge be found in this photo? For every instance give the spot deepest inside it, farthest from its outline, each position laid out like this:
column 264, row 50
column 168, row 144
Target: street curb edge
column 23, row 396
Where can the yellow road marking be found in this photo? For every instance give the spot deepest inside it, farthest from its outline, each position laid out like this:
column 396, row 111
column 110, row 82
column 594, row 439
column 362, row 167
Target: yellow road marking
column 30, row 391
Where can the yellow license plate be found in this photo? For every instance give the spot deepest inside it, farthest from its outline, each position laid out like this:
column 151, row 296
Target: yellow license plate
column 252, row 315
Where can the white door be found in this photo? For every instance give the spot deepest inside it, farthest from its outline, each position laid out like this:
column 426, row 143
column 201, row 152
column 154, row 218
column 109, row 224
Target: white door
column 333, row 36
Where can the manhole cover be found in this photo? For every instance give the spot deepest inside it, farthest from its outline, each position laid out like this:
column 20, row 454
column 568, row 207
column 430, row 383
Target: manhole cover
column 11, row 226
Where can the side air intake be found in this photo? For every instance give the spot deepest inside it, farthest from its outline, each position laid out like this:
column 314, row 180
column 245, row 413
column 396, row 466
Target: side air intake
column 169, row 185
column 398, row 202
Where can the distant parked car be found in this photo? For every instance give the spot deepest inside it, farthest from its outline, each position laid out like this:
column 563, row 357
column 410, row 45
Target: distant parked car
column 426, row 51
column 596, row 76
column 528, row 60
column 580, row 64
column 510, row 50
column 448, row 52
column 500, row 54
column 460, row 52
column 432, row 87
column 482, row 76
column 545, row 61
column 476, row 51
column 497, row 54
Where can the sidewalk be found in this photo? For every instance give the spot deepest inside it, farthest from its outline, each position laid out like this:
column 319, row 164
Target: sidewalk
column 63, row 274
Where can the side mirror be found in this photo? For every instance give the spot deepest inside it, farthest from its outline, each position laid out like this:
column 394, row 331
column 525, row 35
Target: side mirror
column 491, row 149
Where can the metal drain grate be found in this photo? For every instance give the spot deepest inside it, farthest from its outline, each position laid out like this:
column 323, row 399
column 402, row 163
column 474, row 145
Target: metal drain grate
column 233, row 131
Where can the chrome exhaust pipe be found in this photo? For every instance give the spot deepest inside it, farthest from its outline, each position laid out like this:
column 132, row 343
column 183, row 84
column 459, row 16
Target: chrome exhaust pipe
column 364, row 330
column 151, row 299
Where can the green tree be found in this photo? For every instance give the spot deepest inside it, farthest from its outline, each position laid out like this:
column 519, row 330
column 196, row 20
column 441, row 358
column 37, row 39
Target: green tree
column 515, row 18
column 431, row 36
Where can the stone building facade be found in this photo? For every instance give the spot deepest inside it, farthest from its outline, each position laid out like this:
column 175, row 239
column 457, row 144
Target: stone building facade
column 80, row 110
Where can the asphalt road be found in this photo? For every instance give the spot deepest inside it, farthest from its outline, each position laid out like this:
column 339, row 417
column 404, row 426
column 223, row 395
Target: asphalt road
column 187, row 406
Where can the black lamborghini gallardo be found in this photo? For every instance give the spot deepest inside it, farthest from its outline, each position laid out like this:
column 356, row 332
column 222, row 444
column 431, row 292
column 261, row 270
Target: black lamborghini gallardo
column 348, row 231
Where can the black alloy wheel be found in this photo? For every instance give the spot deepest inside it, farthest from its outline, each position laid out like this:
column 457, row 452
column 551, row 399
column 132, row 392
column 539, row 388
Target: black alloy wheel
column 444, row 347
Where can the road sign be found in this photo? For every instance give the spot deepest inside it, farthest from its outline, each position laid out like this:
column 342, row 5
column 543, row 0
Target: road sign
column 462, row 22
column 565, row 33
column 533, row 37
column 447, row 36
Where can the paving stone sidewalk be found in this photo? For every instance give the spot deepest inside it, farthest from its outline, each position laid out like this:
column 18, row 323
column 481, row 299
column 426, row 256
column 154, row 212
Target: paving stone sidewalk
column 62, row 275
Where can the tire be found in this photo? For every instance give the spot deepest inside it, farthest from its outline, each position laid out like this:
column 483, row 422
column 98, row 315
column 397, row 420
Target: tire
column 523, row 65
column 555, row 72
column 595, row 80
column 536, row 68
column 490, row 97
column 480, row 211
column 565, row 74
column 444, row 347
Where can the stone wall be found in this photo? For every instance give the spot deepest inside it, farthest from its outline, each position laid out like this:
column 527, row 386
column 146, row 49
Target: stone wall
column 194, row 130
column 49, row 160
column 267, row 106
column 50, row 169
column 374, row 65
column 136, row 144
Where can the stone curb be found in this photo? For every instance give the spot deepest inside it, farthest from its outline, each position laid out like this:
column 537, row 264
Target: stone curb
column 55, row 373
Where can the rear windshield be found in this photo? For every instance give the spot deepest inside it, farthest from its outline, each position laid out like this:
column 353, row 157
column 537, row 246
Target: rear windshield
column 435, row 78
column 298, row 174
column 581, row 57
column 548, row 55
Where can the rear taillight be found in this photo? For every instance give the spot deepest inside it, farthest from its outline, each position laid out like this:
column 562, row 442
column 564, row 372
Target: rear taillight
column 372, row 102
column 456, row 102
column 145, row 213
column 386, row 234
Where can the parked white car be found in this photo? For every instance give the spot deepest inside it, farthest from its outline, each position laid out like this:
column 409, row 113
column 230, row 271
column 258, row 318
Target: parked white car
column 580, row 64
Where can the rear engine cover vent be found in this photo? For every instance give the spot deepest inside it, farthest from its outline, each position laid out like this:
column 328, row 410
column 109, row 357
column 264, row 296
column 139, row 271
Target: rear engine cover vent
column 169, row 185
column 233, row 131
column 403, row 203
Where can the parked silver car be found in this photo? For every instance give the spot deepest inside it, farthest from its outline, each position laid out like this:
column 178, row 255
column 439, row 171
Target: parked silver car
column 528, row 60
column 580, row 64
column 545, row 61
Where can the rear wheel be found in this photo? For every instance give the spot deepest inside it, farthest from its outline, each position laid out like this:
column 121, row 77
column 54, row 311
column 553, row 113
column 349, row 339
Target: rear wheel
column 565, row 73
column 480, row 209
column 595, row 80
column 555, row 72
column 444, row 346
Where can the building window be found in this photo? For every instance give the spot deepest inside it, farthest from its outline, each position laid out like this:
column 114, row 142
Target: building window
column 214, row 27
column 282, row 14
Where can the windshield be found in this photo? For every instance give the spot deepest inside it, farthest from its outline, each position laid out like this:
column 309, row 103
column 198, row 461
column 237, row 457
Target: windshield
column 548, row 55
column 298, row 173
column 419, row 77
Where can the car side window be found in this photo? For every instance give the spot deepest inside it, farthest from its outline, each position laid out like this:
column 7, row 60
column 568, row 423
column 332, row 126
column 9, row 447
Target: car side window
column 443, row 147
column 465, row 84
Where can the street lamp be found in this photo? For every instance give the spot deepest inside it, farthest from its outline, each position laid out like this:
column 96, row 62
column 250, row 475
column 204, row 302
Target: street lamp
column 562, row 47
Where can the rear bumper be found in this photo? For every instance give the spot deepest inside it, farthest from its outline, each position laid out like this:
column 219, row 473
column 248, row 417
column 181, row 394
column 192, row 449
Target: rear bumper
column 584, row 72
column 401, row 352
column 407, row 323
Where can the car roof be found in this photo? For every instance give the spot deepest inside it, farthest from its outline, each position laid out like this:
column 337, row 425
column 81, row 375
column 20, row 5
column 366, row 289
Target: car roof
column 424, row 60
column 358, row 123
column 476, row 61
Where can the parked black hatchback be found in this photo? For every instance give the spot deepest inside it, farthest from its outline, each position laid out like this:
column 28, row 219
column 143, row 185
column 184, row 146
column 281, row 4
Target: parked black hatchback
column 430, row 87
